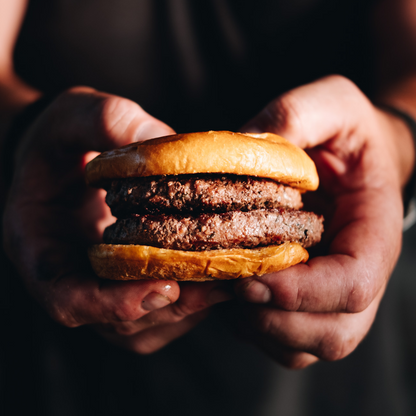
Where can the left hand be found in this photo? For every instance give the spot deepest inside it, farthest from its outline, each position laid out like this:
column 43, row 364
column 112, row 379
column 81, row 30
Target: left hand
column 323, row 309
column 51, row 217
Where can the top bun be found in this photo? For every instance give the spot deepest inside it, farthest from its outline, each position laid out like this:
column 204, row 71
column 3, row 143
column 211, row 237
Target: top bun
column 264, row 155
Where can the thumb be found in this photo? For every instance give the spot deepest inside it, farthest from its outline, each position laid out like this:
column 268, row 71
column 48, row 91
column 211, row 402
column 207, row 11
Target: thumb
column 84, row 119
column 314, row 113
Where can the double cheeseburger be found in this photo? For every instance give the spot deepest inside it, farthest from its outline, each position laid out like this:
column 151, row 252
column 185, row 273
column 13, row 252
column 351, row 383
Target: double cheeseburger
column 204, row 206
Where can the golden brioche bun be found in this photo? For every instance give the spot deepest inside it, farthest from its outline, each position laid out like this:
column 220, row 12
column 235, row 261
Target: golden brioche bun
column 264, row 155
column 133, row 262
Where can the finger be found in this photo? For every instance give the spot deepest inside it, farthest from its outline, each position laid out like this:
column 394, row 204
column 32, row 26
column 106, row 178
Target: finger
column 295, row 360
column 58, row 277
column 326, row 336
column 194, row 298
column 152, row 339
column 313, row 113
column 79, row 298
column 345, row 133
column 85, row 119
column 360, row 260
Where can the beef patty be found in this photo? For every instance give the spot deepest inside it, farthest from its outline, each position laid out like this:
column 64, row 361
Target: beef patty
column 235, row 229
column 197, row 194
column 207, row 212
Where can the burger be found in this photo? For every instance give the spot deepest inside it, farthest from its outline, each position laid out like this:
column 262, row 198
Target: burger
column 204, row 206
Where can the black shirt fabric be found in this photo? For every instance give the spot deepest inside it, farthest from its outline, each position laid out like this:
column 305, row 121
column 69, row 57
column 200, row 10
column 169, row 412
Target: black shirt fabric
column 210, row 64
column 199, row 65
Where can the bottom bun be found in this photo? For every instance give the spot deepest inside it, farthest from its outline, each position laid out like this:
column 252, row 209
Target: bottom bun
column 134, row 262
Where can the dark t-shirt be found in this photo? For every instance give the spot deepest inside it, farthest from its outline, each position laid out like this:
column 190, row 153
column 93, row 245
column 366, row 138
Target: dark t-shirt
column 198, row 65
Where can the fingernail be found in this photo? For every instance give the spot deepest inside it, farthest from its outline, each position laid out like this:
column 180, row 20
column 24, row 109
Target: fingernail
column 218, row 295
column 155, row 301
column 256, row 292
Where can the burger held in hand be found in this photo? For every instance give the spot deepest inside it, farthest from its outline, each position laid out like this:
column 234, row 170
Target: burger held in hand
column 204, row 206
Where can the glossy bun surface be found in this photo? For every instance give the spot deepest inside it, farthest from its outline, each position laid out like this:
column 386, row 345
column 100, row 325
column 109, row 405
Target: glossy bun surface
column 263, row 155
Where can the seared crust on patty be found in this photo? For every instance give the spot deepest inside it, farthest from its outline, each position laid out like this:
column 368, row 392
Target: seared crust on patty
column 197, row 194
column 234, row 229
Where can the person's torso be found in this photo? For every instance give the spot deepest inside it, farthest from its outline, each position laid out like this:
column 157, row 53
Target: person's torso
column 197, row 65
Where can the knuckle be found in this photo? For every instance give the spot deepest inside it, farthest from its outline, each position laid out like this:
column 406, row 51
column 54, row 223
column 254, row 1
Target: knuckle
column 336, row 345
column 288, row 297
column 180, row 311
column 343, row 82
column 124, row 329
column 114, row 104
column 340, row 79
column 125, row 311
column 63, row 317
column 283, row 112
column 68, row 96
column 117, row 114
column 361, row 294
column 332, row 351
column 348, row 89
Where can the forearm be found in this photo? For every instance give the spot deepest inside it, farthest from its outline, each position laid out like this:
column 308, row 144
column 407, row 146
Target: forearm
column 402, row 143
column 394, row 28
column 14, row 93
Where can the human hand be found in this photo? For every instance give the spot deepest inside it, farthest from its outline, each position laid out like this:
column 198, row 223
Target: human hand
column 323, row 309
column 51, row 217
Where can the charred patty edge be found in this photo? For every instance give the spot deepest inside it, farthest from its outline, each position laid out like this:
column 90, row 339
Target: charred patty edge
column 235, row 229
column 198, row 194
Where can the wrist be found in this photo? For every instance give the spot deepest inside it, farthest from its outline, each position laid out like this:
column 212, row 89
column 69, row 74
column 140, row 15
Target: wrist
column 404, row 127
column 403, row 133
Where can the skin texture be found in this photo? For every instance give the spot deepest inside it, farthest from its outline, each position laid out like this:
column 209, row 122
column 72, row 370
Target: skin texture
column 321, row 310
column 52, row 216
column 14, row 93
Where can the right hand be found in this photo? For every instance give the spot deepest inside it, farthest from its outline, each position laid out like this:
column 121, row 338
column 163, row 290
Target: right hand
column 364, row 156
column 51, row 217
